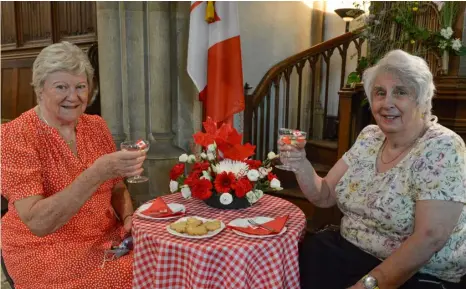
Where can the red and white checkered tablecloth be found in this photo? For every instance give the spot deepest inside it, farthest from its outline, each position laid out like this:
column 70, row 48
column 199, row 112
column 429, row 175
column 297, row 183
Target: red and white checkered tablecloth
column 226, row 260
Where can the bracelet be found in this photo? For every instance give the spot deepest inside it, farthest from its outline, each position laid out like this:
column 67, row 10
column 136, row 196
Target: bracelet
column 124, row 219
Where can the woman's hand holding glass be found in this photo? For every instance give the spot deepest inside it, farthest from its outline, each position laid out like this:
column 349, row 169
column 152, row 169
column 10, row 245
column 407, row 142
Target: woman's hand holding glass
column 120, row 164
column 291, row 144
column 293, row 156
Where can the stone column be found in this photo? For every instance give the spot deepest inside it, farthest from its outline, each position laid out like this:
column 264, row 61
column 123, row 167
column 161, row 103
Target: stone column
column 187, row 114
column 135, row 57
column 111, row 86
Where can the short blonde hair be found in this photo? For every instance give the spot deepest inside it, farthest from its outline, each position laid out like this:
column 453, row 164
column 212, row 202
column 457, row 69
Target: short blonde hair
column 412, row 70
column 62, row 56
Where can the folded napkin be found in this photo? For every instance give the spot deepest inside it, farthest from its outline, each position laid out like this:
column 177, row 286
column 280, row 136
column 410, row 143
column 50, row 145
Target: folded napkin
column 276, row 224
column 160, row 209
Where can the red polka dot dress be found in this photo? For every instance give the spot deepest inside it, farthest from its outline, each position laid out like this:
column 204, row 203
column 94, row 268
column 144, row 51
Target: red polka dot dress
column 35, row 160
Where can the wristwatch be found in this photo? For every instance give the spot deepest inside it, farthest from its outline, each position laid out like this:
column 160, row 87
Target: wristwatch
column 369, row 282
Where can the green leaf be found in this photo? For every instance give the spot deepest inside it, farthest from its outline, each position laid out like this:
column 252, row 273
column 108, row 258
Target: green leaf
column 462, row 51
column 353, row 77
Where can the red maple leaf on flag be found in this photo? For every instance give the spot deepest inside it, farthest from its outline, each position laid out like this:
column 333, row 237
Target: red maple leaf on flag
column 228, row 140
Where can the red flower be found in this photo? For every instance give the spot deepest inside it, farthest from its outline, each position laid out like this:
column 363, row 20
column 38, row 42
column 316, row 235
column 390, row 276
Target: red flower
column 192, row 178
column 242, row 187
column 224, row 182
column 176, row 171
column 271, row 176
column 201, row 189
column 204, row 166
column 253, row 164
column 228, row 140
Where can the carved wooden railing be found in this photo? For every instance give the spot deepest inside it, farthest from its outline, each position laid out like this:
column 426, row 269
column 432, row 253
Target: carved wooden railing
column 258, row 113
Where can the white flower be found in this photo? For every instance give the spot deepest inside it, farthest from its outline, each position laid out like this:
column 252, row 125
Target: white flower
column 446, row 32
column 191, row 159
column 212, row 147
column 271, row 155
column 203, row 156
column 275, row 184
column 253, row 175
column 443, row 44
column 264, row 172
column 254, row 196
column 214, row 168
column 456, row 44
column 206, row 175
column 226, row 198
column 186, row 192
column 210, row 156
column 183, row 158
column 238, row 168
column 173, row 186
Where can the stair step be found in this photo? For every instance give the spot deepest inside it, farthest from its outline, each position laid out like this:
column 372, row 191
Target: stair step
column 327, row 144
column 321, row 169
column 323, row 152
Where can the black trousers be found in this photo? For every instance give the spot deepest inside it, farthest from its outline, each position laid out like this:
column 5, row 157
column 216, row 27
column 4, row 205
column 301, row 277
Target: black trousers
column 328, row 261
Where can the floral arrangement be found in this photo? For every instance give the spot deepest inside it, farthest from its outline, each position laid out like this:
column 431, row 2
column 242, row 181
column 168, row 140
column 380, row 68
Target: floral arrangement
column 395, row 25
column 222, row 173
column 448, row 11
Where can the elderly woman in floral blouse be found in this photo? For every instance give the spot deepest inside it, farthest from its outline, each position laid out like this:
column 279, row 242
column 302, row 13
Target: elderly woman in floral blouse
column 401, row 188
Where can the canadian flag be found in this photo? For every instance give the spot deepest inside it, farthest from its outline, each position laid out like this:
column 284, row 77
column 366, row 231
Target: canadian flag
column 214, row 59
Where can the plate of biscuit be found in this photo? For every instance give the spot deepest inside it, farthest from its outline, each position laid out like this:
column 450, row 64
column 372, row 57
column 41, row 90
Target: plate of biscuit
column 195, row 227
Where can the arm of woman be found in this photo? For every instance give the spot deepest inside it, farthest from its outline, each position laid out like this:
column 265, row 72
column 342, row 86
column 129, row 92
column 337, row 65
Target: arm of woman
column 44, row 216
column 320, row 191
column 435, row 221
column 121, row 202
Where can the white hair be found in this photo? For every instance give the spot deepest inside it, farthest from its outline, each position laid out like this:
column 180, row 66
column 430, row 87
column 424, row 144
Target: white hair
column 412, row 70
column 62, row 56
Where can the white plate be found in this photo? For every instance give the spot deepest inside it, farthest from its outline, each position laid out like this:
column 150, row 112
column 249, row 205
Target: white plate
column 175, row 207
column 260, row 220
column 208, row 235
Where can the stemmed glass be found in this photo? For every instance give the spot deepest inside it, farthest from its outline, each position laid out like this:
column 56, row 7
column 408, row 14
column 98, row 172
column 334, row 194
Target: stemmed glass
column 138, row 145
column 291, row 137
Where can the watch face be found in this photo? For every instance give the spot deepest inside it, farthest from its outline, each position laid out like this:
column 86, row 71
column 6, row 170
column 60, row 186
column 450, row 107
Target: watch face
column 370, row 282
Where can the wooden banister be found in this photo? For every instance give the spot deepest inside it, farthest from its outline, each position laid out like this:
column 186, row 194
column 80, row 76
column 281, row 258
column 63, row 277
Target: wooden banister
column 272, row 96
column 261, row 90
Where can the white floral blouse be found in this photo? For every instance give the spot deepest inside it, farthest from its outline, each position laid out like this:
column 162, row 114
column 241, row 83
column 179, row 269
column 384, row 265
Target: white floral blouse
column 379, row 207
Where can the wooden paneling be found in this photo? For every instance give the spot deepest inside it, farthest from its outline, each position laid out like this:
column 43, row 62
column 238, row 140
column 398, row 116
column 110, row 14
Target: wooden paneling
column 75, row 21
column 34, row 23
column 27, row 27
column 17, row 93
column 8, row 25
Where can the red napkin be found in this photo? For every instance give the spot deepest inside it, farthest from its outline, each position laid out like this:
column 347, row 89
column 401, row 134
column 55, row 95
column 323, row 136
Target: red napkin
column 160, row 209
column 277, row 224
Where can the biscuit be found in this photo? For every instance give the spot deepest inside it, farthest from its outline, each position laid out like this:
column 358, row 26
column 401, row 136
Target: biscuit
column 212, row 225
column 180, row 227
column 193, row 222
column 196, row 231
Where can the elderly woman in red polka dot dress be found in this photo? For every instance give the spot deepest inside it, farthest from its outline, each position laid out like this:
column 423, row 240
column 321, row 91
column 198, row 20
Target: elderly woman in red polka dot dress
column 63, row 177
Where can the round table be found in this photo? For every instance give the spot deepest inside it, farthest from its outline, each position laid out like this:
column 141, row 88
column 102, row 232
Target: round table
column 226, row 260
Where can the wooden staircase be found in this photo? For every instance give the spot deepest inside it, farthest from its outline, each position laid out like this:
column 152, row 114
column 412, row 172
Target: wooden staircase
column 271, row 98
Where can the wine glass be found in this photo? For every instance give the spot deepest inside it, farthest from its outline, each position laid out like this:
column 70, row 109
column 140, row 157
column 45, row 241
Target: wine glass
column 291, row 137
column 138, row 145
